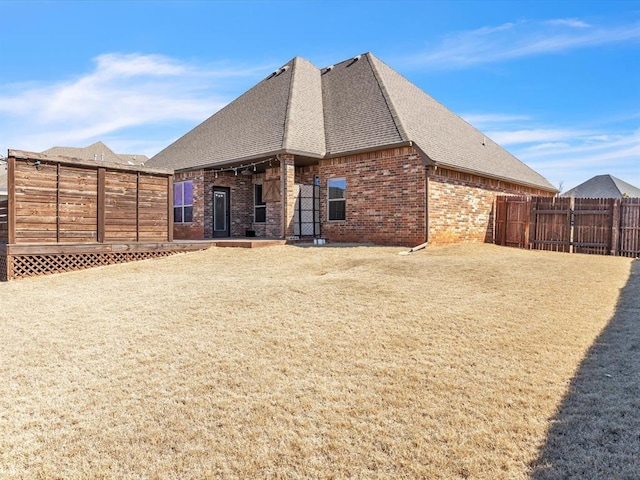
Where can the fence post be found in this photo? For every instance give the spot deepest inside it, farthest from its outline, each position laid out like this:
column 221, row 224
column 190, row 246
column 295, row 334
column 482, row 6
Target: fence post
column 11, row 204
column 533, row 222
column 615, row 225
column 170, row 208
column 527, row 223
column 572, row 205
column 101, row 203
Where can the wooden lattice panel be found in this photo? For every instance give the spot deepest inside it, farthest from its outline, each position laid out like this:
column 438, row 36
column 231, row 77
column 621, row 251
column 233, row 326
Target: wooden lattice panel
column 24, row 266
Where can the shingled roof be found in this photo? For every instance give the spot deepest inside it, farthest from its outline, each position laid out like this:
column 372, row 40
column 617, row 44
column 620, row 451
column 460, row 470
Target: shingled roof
column 357, row 105
column 3, row 178
column 603, row 186
column 97, row 151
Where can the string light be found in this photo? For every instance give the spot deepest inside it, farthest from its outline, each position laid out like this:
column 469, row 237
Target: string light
column 244, row 167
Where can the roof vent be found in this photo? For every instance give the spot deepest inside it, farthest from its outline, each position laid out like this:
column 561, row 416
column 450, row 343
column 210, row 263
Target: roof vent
column 329, row 68
column 279, row 71
column 357, row 57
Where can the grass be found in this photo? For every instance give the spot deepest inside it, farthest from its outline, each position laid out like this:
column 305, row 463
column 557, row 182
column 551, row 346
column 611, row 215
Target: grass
column 289, row 362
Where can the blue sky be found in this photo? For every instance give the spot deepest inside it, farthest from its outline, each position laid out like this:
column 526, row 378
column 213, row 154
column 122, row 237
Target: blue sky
column 556, row 83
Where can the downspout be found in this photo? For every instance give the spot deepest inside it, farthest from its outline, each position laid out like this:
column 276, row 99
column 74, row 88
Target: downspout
column 426, row 204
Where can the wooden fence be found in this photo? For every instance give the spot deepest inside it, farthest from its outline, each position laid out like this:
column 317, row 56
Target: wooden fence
column 84, row 202
column 66, row 214
column 4, row 221
column 603, row 226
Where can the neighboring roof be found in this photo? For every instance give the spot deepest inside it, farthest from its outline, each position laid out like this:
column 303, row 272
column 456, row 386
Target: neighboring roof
column 97, row 151
column 3, row 178
column 603, row 186
column 133, row 158
column 357, row 105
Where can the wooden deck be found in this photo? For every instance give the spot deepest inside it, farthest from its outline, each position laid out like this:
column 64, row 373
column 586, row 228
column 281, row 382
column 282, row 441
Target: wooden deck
column 34, row 259
column 235, row 242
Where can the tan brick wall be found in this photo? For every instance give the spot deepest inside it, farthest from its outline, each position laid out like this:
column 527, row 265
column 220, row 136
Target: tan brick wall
column 461, row 205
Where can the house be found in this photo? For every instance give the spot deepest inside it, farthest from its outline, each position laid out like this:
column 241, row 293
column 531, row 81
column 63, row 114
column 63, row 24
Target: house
column 353, row 152
column 97, row 151
column 603, row 186
column 3, row 181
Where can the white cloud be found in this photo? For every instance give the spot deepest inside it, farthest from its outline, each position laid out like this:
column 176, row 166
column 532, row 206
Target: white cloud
column 579, row 158
column 515, row 40
column 123, row 91
column 482, row 120
column 516, row 137
column 569, row 22
column 567, row 154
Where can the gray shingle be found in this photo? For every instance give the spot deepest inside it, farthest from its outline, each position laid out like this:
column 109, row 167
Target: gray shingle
column 251, row 125
column 356, row 113
column 304, row 127
column 97, row 151
column 358, row 104
column 603, row 186
column 446, row 138
column 3, row 178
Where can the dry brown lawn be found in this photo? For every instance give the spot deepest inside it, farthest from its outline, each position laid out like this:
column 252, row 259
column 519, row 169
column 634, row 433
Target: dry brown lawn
column 290, row 362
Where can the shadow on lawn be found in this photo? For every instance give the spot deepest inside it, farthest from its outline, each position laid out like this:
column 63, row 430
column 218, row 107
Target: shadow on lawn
column 596, row 432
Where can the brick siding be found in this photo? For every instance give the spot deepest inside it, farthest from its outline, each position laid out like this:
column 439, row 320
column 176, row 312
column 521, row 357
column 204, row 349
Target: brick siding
column 195, row 229
column 461, row 205
column 385, row 197
column 385, row 200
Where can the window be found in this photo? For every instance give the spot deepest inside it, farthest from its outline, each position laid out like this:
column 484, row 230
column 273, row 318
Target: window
column 259, row 205
column 337, row 189
column 183, row 202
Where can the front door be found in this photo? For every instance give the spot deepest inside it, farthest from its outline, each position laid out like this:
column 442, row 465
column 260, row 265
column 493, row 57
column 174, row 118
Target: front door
column 221, row 212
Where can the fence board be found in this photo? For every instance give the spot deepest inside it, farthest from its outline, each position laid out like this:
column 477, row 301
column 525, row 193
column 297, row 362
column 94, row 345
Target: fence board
column 629, row 236
column 602, row 226
column 592, row 219
column 551, row 224
column 4, row 221
column 59, row 200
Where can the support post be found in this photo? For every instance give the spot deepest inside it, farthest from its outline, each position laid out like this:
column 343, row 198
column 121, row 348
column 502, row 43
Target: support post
column 287, row 179
column 170, row 208
column 571, row 223
column 102, row 175
column 11, row 214
column 614, row 208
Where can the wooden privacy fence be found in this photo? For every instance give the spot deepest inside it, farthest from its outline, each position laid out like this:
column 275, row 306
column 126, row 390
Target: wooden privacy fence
column 604, row 226
column 4, row 221
column 52, row 200
column 66, row 214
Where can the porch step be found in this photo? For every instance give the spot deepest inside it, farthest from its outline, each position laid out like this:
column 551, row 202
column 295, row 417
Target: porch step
column 252, row 243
